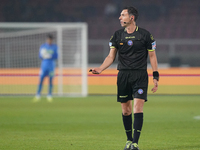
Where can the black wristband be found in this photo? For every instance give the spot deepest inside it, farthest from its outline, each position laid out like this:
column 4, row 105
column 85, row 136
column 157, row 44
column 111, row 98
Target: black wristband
column 156, row 75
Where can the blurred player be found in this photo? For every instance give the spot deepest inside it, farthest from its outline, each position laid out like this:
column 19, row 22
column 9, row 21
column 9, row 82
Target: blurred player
column 48, row 54
column 133, row 45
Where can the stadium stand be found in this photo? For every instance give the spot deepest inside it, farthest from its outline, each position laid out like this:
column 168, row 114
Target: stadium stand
column 165, row 18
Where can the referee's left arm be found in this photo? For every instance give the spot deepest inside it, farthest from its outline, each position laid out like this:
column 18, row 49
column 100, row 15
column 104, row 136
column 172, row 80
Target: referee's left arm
column 154, row 65
column 153, row 60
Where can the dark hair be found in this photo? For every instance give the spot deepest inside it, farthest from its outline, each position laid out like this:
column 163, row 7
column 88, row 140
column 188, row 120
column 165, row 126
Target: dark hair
column 132, row 11
column 50, row 36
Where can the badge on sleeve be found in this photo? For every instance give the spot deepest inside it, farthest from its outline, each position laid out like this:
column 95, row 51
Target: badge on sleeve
column 153, row 45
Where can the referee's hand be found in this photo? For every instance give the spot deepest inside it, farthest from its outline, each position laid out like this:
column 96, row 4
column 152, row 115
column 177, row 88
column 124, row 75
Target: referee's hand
column 95, row 70
column 155, row 88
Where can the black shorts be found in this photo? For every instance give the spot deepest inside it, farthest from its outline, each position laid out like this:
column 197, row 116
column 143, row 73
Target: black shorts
column 132, row 83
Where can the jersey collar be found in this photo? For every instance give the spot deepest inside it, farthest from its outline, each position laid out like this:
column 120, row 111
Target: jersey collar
column 136, row 29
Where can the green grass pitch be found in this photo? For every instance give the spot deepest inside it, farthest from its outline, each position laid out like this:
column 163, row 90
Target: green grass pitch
column 94, row 122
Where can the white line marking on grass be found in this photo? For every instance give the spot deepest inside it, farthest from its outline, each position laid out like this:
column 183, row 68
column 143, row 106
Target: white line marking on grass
column 197, row 117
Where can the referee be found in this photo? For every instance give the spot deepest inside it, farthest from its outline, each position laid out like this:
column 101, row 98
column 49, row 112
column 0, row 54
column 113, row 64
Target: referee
column 133, row 45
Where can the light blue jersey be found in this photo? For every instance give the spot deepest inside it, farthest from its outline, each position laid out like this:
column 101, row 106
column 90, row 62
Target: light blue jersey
column 48, row 54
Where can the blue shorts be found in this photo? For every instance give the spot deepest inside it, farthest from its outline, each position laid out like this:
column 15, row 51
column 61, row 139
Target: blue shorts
column 47, row 72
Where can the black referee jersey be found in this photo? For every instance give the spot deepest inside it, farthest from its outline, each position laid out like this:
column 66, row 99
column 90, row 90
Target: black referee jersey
column 132, row 48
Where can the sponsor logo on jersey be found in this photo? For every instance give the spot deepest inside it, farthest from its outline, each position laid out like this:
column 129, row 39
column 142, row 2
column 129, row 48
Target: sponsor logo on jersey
column 110, row 43
column 140, row 91
column 130, row 42
column 153, row 45
column 130, row 37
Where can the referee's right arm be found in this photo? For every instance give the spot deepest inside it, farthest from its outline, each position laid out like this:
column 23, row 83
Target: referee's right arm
column 107, row 62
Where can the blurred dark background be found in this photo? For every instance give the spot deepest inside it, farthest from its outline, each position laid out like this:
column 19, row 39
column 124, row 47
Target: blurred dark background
column 165, row 19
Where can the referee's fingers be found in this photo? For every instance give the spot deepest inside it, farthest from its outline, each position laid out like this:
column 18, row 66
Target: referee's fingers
column 95, row 71
column 154, row 89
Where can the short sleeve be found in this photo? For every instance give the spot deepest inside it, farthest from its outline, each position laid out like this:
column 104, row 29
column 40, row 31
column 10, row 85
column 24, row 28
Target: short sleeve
column 113, row 41
column 151, row 43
